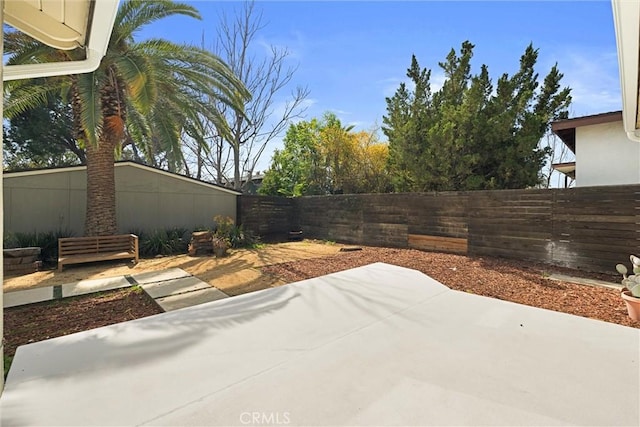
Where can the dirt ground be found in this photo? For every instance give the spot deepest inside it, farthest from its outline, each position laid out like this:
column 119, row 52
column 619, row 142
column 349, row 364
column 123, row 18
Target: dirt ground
column 236, row 274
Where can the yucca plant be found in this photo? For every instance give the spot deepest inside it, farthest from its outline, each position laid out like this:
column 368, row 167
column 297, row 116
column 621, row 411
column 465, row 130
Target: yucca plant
column 235, row 235
column 169, row 241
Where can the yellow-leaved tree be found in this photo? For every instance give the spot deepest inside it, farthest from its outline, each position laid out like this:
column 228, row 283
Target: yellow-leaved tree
column 325, row 157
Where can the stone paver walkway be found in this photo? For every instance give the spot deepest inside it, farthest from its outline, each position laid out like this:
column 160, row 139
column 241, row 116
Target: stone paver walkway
column 172, row 289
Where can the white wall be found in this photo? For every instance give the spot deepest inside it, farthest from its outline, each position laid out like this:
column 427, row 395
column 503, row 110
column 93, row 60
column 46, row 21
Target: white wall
column 605, row 156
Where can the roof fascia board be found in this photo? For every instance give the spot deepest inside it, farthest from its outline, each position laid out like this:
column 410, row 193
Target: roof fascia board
column 596, row 119
column 626, row 16
column 103, row 18
column 563, row 165
column 9, row 175
column 178, row 176
column 50, row 69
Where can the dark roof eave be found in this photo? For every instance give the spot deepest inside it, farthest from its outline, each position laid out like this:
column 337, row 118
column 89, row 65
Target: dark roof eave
column 567, row 168
column 566, row 128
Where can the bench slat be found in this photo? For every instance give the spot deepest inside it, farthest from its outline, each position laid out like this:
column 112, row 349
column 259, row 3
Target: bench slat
column 79, row 248
column 115, row 245
column 76, row 250
column 96, row 257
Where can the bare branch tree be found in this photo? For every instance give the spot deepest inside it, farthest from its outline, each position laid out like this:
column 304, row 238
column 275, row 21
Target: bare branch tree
column 559, row 152
column 231, row 159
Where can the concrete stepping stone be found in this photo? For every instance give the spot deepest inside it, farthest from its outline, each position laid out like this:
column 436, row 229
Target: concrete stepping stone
column 29, row 296
column 174, row 287
column 94, row 285
column 159, row 276
column 175, row 302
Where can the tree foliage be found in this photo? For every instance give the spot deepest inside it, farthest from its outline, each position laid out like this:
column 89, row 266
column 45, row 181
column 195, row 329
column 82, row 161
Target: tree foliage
column 232, row 157
column 41, row 137
column 149, row 92
column 325, row 157
column 470, row 134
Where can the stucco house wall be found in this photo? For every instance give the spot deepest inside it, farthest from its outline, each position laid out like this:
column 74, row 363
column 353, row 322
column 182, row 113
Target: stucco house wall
column 146, row 199
column 606, row 156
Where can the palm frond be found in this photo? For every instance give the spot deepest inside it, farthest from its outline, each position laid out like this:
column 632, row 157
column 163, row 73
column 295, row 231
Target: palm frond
column 25, row 95
column 139, row 131
column 169, row 86
column 196, row 63
column 136, row 72
column 135, row 14
column 165, row 129
column 90, row 108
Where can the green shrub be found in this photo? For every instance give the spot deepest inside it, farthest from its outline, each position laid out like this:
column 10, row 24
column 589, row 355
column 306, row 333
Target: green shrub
column 9, row 241
column 7, row 364
column 169, row 241
column 138, row 232
column 235, row 235
column 46, row 241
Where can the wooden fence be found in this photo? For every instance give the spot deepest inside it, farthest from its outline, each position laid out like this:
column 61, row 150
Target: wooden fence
column 590, row 228
column 265, row 216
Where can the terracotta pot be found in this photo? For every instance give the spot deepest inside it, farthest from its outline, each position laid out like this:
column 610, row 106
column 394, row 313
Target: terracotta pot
column 633, row 305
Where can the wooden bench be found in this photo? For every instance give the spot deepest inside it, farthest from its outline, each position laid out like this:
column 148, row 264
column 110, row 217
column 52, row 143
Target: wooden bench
column 78, row 250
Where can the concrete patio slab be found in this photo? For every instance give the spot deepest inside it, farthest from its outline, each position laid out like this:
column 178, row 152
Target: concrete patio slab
column 174, row 287
column 29, row 296
column 585, row 281
column 158, row 276
column 201, row 296
column 94, row 285
column 376, row 345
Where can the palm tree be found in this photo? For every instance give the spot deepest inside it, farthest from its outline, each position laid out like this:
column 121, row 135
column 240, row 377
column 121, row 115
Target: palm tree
column 146, row 92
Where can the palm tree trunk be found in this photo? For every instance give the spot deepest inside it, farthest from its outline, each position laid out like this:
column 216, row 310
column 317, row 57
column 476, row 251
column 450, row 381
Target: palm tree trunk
column 101, row 189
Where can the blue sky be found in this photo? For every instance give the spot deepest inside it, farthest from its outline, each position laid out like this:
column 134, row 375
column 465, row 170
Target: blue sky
column 352, row 54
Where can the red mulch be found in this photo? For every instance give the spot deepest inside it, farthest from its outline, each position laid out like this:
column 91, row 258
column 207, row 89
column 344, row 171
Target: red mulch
column 520, row 282
column 37, row 322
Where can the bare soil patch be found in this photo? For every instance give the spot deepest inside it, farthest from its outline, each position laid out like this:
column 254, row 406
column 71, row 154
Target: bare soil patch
column 235, row 274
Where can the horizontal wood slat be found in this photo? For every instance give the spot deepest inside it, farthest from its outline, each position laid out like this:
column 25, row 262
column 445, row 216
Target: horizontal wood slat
column 78, row 250
column 267, row 216
column 591, row 228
